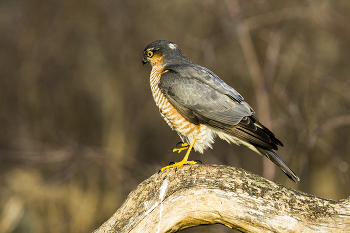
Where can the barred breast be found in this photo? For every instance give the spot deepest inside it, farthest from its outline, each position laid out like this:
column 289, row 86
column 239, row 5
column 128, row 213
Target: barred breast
column 187, row 131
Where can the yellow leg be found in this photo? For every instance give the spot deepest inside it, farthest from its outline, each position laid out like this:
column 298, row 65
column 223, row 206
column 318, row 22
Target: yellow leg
column 184, row 161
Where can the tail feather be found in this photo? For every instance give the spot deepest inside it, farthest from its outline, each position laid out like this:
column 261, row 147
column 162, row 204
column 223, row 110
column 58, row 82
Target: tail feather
column 271, row 155
column 266, row 130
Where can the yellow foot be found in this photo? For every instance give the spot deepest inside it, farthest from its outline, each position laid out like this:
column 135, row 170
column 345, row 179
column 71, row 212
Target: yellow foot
column 184, row 147
column 178, row 165
column 184, row 161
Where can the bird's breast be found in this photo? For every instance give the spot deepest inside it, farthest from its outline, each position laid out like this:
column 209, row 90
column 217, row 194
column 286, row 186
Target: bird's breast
column 174, row 119
column 187, row 131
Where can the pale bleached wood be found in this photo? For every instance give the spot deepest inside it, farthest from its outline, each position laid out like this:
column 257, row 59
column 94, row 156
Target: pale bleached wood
column 207, row 194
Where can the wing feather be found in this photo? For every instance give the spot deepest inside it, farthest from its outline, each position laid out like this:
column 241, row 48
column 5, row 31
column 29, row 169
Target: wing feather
column 206, row 76
column 199, row 103
column 203, row 99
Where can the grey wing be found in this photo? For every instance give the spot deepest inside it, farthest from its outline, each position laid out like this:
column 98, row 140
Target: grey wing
column 202, row 99
column 206, row 76
column 201, row 104
column 214, row 103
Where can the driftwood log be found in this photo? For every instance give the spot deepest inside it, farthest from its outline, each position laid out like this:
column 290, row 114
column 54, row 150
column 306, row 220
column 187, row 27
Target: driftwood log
column 205, row 194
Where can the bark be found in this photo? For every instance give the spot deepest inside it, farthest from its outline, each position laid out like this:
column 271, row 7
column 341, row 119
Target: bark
column 207, row 194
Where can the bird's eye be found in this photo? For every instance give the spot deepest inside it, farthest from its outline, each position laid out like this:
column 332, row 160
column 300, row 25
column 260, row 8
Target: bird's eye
column 149, row 54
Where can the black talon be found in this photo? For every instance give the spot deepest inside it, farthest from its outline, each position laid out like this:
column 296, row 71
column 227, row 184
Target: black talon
column 177, row 144
column 171, row 163
column 198, row 161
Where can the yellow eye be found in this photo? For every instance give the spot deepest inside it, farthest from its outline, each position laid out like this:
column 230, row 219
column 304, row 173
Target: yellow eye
column 149, row 54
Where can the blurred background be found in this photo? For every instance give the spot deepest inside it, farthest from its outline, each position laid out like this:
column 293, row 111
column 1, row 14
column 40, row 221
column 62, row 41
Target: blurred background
column 79, row 127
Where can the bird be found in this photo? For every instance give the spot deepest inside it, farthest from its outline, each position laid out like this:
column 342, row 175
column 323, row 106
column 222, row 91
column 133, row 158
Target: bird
column 200, row 106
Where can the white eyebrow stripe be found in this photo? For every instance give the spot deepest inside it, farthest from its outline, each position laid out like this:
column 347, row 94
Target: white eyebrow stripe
column 172, row 46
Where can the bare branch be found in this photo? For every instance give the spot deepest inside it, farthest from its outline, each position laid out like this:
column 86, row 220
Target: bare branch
column 204, row 194
column 278, row 16
column 334, row 123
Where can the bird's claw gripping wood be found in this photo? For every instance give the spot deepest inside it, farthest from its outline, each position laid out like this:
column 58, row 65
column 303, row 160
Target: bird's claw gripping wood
column 178, row 165
column 184, row 161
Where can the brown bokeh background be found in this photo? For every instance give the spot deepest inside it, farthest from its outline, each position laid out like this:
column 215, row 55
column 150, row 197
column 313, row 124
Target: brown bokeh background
column 79, row 127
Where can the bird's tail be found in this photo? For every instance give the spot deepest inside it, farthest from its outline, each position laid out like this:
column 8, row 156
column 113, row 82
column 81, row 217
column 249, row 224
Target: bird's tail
column 271, row 155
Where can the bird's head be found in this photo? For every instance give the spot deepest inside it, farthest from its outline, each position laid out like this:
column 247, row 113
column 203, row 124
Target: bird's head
column 163, row 52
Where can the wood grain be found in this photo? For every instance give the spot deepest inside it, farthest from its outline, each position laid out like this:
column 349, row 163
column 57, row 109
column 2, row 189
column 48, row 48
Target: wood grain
column 209, row 194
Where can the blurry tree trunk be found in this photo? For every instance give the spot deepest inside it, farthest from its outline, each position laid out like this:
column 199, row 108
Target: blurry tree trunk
column 256, row 75
column 209, row 194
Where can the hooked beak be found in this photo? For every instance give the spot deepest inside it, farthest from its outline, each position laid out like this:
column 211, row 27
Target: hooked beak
column 144, row 61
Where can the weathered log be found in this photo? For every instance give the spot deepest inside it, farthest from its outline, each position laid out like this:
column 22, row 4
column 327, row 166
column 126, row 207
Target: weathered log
column 207, row 194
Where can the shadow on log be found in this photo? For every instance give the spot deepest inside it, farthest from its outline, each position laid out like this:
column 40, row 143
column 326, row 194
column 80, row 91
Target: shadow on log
column 210, row 194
